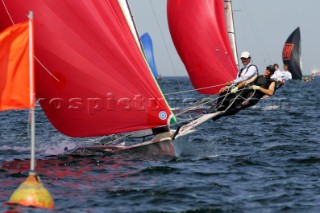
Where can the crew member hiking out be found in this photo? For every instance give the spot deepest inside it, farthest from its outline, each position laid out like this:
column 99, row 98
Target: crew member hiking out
column 248, row 71
column 247, row 93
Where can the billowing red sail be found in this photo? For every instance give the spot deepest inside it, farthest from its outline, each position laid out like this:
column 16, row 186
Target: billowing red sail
column 199, row 32
column 91, row 77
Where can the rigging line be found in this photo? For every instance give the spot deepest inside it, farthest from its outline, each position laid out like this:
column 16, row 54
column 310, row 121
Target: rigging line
column 135, row 28
column 224, row 97
column 234, row 100
column 116, row 139
column 229, row 106
column 163, row 40
column 207, row 101
column 165, row 45
column 246, row 99
column 260, row 42
column 191, row 90
column 46, row 69
column 34, row 55
column 5, row 7
column 196, row 105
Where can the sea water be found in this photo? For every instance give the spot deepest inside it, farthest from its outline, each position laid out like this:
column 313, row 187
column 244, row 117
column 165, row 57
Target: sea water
column 263, row 159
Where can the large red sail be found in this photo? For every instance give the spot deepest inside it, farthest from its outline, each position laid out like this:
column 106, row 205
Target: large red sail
column 91, row 77
column 199, row 33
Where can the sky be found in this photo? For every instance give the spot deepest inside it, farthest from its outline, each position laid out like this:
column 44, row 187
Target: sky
column 262, row 27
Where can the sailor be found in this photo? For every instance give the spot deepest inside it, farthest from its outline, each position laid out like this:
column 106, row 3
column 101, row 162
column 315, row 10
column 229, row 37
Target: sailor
column 248, row 92
column 247, row 71
column 276, row 76
column 282, row 74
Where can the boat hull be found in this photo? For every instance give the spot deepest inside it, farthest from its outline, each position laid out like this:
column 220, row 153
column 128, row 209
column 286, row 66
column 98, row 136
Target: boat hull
column 164, row 146
column 149, row 148
column 171, row 148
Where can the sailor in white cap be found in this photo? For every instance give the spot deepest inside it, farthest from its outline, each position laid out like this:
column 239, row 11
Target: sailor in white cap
column 247, row 71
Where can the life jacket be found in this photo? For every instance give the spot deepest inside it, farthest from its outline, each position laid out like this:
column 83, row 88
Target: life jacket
column 247, row 68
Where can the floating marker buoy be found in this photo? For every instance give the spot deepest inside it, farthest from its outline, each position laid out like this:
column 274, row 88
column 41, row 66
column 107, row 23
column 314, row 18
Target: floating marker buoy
column 32, row 193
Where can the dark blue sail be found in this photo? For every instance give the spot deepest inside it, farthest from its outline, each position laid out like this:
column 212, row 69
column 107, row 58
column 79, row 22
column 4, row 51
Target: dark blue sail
column 148, row 51
column 291, row 54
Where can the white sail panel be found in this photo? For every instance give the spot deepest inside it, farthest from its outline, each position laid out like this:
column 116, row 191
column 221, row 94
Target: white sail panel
column 231, row 29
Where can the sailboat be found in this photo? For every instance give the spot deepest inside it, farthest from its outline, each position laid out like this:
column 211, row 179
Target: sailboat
column 147, row 45
column 92, row 79
column 291, row 54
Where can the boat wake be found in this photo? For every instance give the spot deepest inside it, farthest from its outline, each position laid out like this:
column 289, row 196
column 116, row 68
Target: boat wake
column 57, row 149
column 14, row 148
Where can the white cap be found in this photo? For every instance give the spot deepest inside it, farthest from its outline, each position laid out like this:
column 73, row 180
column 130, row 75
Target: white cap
column 245, row 55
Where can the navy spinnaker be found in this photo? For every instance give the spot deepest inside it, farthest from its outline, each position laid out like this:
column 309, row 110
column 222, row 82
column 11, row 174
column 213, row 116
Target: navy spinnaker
column 291, row 54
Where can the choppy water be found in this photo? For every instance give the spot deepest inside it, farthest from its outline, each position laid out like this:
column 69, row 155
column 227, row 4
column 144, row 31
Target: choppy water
column 264, row 159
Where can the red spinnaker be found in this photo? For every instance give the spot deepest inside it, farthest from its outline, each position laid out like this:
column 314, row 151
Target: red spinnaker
column 91, row 77
column 199, row 32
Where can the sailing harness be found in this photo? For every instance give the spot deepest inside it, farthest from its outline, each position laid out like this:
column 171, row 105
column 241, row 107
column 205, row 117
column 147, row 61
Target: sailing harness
column 247, row 68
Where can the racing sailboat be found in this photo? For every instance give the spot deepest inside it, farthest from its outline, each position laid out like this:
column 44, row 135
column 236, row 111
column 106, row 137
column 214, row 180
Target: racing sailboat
column 92, row 79
column 291, row 54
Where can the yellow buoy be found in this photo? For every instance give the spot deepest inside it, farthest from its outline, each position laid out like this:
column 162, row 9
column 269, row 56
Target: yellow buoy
column 32, row 193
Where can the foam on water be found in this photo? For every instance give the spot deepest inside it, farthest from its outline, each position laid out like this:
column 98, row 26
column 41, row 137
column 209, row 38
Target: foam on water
column 58, row 148
column 14, row 148
column 272, row 107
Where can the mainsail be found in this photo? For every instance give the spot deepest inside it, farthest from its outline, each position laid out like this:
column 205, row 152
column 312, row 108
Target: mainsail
column 91, row 76
column 291, row 54
column 148, row 51
column 199, row 33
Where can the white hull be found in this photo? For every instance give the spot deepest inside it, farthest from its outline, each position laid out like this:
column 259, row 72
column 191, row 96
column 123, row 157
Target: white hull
column 164, row 146
column 150, row 148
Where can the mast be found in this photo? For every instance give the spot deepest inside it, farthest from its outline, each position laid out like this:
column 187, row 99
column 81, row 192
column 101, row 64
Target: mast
column 127, row 13
column 230, row 27
column 32, row 92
